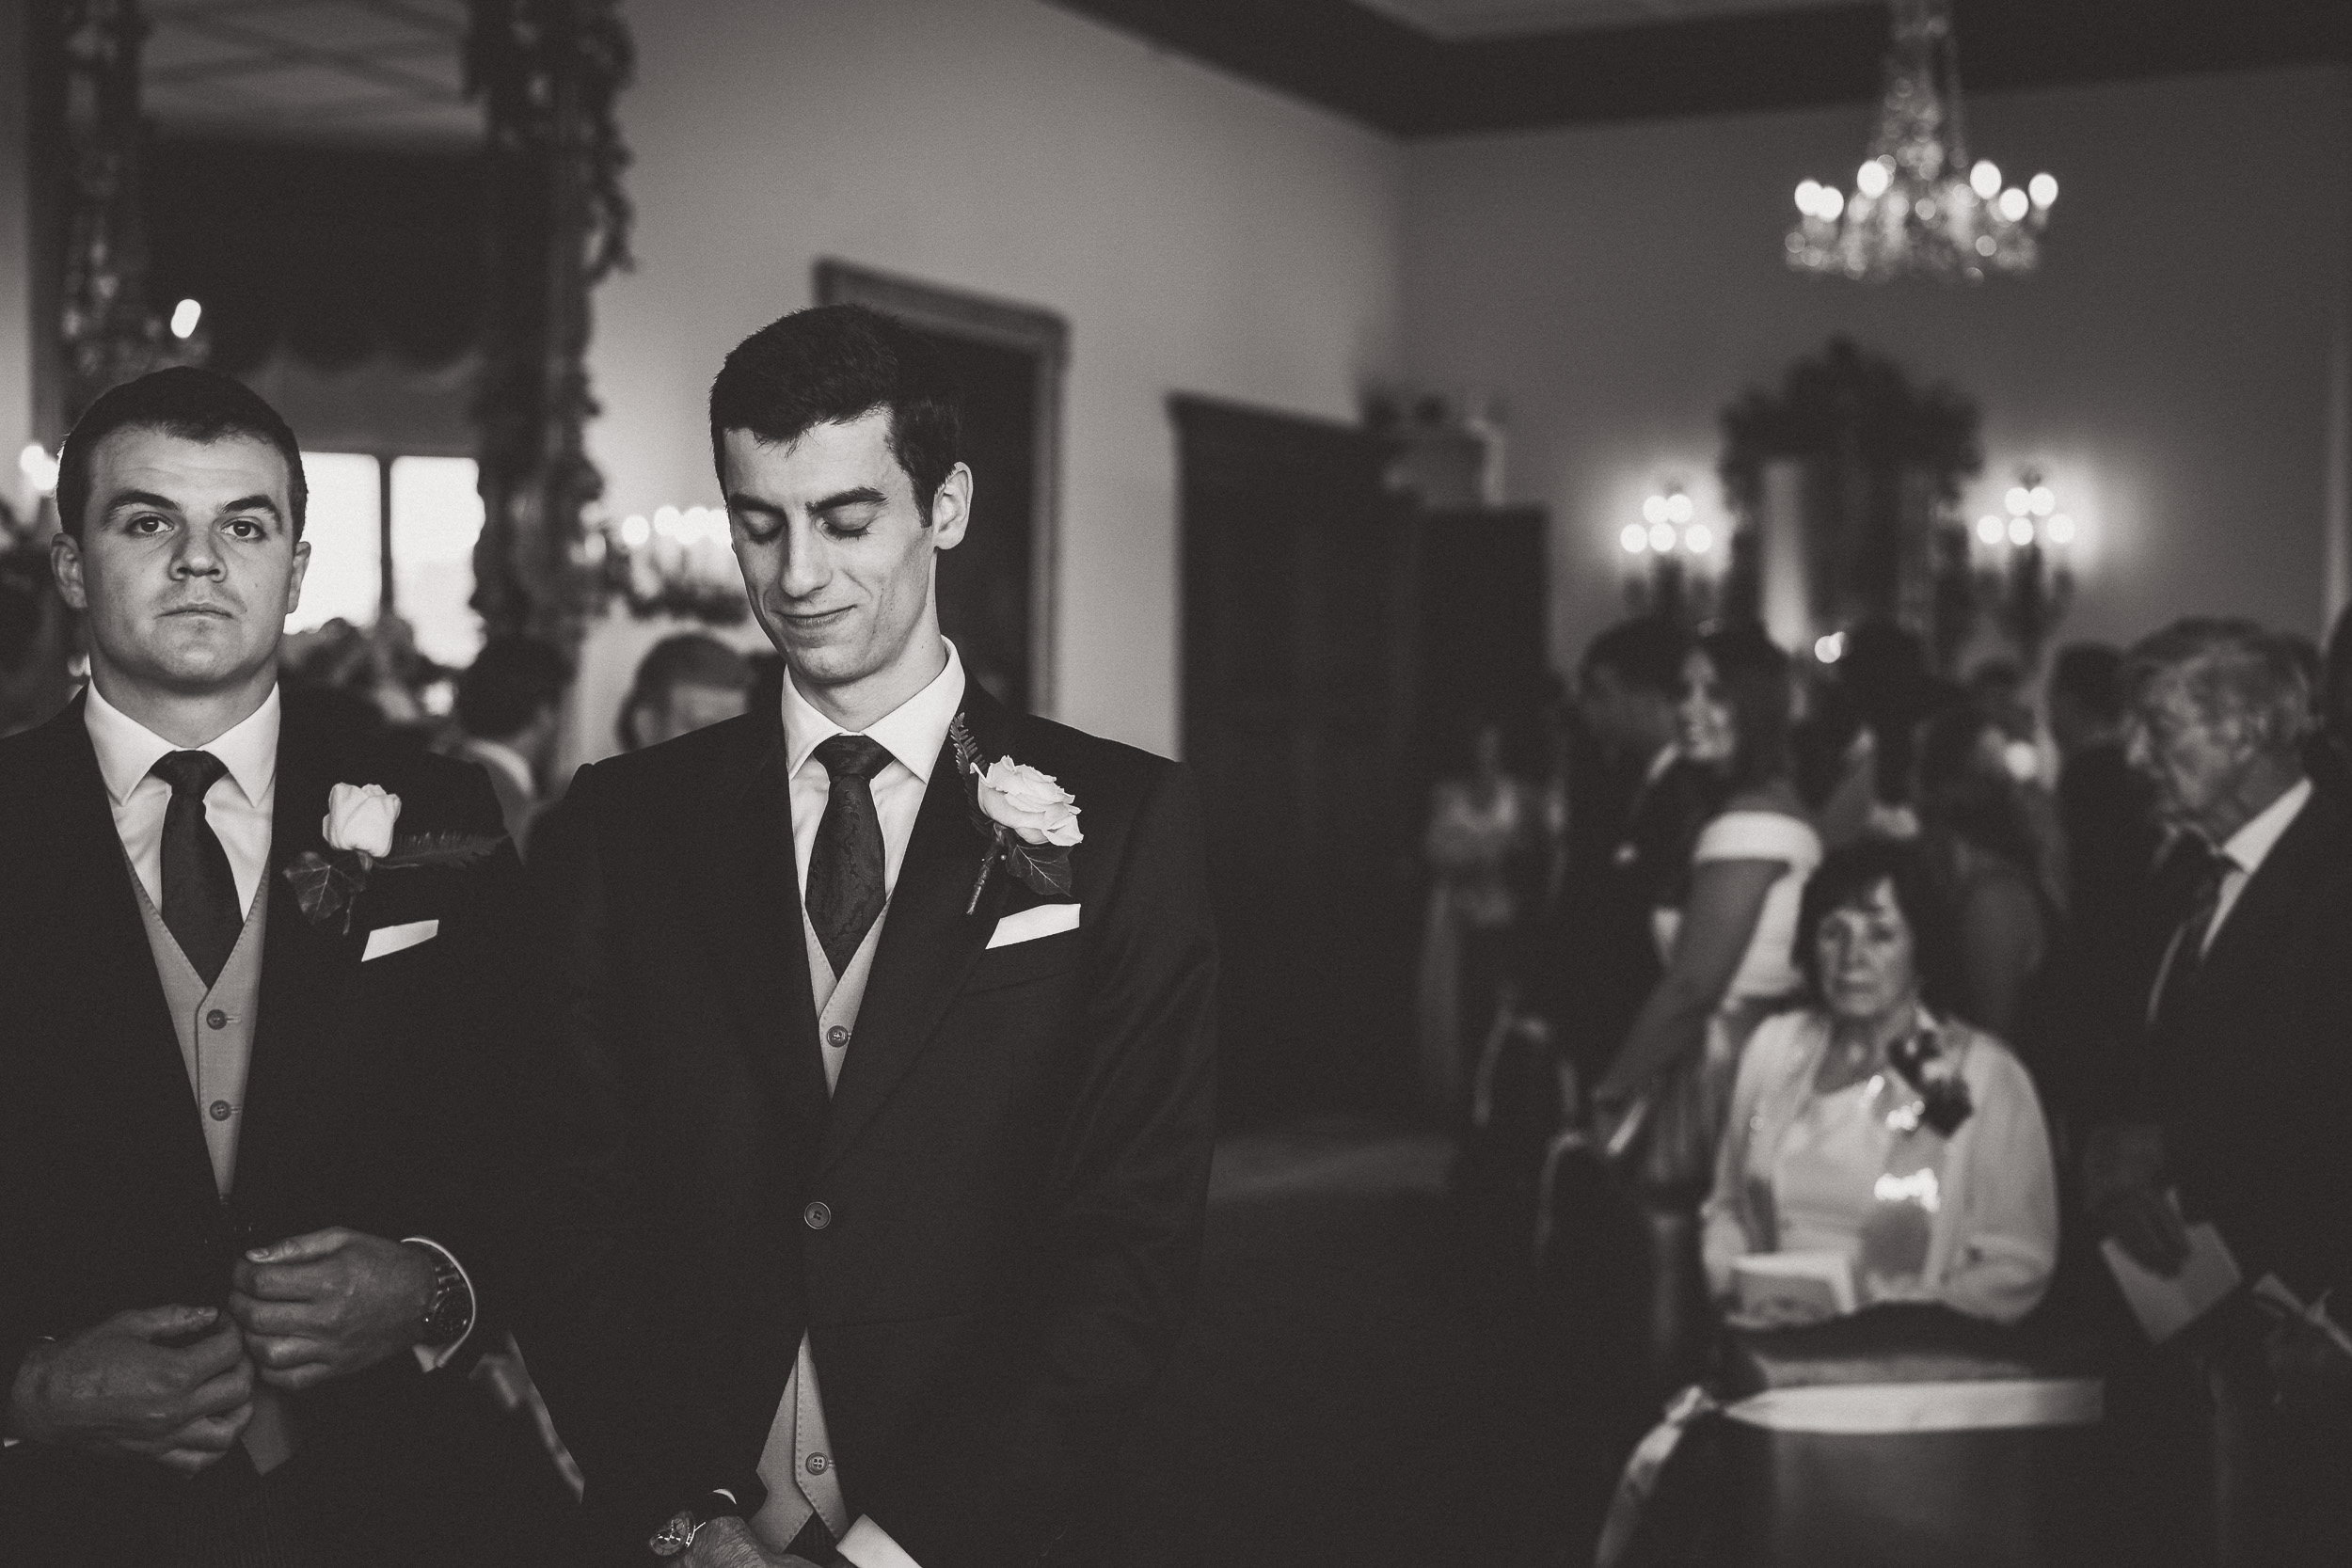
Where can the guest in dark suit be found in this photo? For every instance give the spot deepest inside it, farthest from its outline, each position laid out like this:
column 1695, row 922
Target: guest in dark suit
column 1629, row 831
column 2243, row 1084
column 886, row 1199
column 509, row 707
column 232, row 1129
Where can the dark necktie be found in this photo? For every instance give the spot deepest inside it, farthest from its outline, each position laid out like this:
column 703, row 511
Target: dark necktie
column 845, row 869
column 2194, row 873
column 199, row 893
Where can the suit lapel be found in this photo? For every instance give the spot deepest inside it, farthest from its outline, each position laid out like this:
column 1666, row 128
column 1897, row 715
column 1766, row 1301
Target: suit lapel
column 752, row 897
column 2257, row 922
column 297, row 1059
column 133, row 1021
column 928, row 944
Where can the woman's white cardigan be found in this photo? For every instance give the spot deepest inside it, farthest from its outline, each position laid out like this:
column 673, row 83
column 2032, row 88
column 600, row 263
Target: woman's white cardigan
column 1992, row 1241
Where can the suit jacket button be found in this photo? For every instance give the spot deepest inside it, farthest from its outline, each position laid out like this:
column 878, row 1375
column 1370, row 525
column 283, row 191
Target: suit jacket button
column 816, row 1462
column 216, row 1019
column 816, row 1216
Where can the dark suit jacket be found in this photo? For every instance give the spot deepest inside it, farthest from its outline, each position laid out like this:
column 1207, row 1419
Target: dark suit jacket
column 1603, row 955
column 2251, row 1077
column 1014, row 1168
column 369, row 1095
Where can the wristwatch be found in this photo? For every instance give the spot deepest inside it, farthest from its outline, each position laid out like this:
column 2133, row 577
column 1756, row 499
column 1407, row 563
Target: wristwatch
column 677, row 1534
column 450, row 1312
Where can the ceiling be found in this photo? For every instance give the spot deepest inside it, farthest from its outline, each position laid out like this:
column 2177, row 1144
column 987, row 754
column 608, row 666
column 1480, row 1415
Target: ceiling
column 372, row 72
column 1418, row 67
column 1465, row 19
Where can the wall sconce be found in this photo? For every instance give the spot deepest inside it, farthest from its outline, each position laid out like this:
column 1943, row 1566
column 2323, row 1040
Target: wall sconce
column 678, row 561
column 2024, row 576
column 1672, row 559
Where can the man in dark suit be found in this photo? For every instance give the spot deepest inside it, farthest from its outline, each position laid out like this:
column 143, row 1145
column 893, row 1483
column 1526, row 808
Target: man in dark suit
column 895, row 1084
column 232, row 1129
column 2243, row 1083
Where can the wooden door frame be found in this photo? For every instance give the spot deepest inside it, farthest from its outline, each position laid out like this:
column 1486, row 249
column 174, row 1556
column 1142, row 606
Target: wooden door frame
column 1027, row 329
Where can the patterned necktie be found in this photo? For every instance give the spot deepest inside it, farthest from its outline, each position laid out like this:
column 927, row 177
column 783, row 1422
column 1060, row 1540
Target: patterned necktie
column 2194, row 871
column 200, row 892
column 845, row 869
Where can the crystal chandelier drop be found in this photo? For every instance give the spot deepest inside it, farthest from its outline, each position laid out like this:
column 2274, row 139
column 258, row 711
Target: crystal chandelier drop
column 1919, row 206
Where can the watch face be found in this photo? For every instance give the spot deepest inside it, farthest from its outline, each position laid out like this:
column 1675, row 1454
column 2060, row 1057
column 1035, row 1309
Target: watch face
column 674, row 1537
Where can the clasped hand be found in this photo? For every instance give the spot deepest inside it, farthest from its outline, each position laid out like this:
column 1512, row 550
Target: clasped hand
column 328, row 1304
column 169, row 1383
column 727, row 1542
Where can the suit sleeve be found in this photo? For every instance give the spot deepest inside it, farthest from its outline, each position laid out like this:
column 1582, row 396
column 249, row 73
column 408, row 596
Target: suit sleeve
column 587, row 1254
column 1015, row 1432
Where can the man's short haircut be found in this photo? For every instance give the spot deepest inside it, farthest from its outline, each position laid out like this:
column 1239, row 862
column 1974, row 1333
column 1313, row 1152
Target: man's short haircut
column 510, row 681
column 833, row 364
column 2228, row 666
column 191, row 404
column 2090, row 675
column 1645, row 653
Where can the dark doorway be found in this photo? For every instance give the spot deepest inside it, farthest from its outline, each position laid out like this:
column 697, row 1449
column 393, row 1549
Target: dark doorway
column 996, row 588
column 1298, row 712
column 1479, row 587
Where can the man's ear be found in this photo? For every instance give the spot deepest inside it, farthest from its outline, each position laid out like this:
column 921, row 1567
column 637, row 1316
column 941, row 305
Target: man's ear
column 65, row 564
column 294, row 578
column 951, row 508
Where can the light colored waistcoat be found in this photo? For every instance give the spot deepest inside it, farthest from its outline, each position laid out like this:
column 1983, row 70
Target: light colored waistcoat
column 797, row 1466
column 215, row 1025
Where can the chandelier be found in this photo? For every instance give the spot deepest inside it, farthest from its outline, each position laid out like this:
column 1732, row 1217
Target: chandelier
column 1919, row 206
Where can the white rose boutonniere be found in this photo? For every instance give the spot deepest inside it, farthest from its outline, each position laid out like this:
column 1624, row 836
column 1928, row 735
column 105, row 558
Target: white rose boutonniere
column 358, row 830
column 360, row 817
column 1028, row 819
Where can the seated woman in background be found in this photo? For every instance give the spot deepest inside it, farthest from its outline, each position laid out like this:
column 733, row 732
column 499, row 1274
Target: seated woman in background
column 1865, row 1127
column 1981, row 855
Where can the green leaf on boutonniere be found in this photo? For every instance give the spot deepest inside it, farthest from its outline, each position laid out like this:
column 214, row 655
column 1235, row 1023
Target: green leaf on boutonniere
column 325, row 888
column 1044, row 867
column 440, row 848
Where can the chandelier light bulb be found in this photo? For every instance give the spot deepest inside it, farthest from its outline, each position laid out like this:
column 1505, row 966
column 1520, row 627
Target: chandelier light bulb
column 2019, row 500
column 1831, row 203
column 1635, row 539
column 1830, row 649
column 2043, row 188
column 1678, row 508
column 635, row 531
column 1985, row 247
column 1661, row 537
column 1810, row 197
column 1873, row 178
column 2061, row 529
column 1654, row 510
column 1985, row 179
column 2044, row 501
column 185, row 316
column 2014, row 204
column 1990, row 529
column 1699, row 540
column 665, row 521
column 2021, row 531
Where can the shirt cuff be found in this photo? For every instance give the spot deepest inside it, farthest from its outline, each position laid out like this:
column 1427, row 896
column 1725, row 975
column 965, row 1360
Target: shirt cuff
column 868, row 1545
column 432, row 1358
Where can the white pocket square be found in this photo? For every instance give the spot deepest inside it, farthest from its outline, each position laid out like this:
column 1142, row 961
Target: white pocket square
column 393, row 939
column 1043, row 921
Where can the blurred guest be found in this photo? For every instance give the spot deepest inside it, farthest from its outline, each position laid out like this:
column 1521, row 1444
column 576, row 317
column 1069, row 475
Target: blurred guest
column 2236, row 1105
column 2106, row 811
column 1479, row 844
column 1724, row 942
column 2329, row 753
column 1979, row 857
column 1883, row 689
column 508, row 707
column 683, row 683
column 1626, row 837
column 1865, row 1126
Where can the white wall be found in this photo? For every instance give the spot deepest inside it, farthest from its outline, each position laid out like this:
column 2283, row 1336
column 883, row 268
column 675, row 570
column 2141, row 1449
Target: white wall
column 1198, row 233
column 2169, row 368
column 16, row 361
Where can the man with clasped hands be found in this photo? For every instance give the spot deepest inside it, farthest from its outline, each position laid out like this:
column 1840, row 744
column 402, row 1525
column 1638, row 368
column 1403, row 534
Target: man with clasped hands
column 243, row 1148
column 886, row 1207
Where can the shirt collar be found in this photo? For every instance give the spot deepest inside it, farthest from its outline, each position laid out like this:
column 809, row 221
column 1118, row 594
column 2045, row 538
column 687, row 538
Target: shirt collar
column 913, row 731
column 128, row 749
column 2252, row 844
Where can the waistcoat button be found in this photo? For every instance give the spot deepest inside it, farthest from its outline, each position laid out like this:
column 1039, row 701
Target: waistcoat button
column 816, row 1216
column 216, row 1019
column 836, row 1036
column 220, row 1110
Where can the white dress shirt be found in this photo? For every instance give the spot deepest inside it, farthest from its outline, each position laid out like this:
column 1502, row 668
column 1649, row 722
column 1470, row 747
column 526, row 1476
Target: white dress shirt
column 912, row 733
column 238, row 806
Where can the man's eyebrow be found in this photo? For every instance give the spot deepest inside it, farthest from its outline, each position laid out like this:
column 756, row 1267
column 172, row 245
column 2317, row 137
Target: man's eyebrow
column 165, row 503
column 863, row 494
